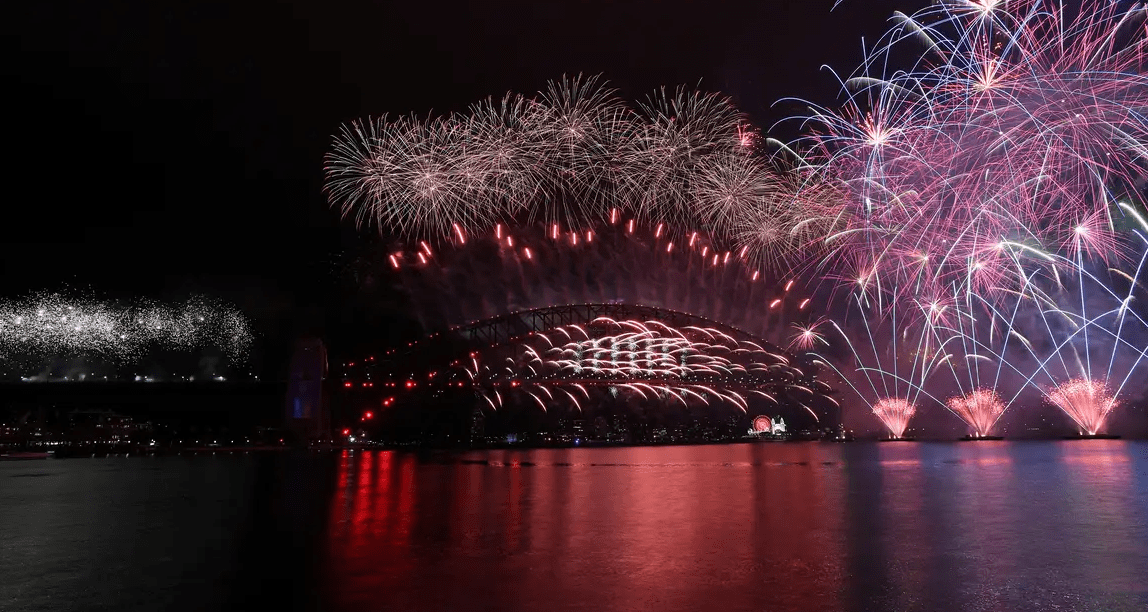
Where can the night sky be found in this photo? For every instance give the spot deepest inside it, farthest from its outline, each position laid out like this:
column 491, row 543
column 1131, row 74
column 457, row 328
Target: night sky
column 157, row 148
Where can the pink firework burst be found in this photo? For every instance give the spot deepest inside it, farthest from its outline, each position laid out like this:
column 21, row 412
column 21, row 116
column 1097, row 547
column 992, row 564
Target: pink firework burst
column 1087, row 402
column 895, row 414
column 980, row 409
column 1017, row 123
column 807, row 337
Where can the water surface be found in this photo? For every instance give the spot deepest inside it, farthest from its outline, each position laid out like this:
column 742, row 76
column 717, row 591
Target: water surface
column 1008, row 526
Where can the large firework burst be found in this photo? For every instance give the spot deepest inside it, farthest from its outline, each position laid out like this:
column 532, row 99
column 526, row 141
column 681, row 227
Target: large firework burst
column 1017, row 123
column 566, row 157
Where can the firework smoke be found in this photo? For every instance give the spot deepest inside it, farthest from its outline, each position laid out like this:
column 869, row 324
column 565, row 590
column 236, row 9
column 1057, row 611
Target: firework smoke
column 624, row 261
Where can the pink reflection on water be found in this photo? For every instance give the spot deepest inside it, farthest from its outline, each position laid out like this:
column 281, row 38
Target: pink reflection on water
column 753, row 526
column 1105, row 502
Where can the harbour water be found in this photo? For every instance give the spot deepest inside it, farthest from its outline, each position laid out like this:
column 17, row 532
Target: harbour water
column 984, row 526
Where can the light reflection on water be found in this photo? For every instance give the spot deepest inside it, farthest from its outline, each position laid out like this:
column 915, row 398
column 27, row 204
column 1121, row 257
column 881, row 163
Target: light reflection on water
column 982, row 526
column 970, row 526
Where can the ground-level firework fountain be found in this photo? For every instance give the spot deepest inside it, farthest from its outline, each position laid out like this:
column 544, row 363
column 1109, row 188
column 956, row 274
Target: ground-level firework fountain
column 895, row 414
column 980, row 409
column 1087, row 402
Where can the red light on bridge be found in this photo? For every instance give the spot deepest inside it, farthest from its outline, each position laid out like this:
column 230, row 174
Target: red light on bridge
column 347, row 384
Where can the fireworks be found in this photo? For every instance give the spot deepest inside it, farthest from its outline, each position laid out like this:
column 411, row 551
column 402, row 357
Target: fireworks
column 807, row 337
column 895, row 414
column 980, row 409
column 1085, row 401
column 566, row 157
column 974, row 182
column 52, row 325
column 1018, row 123
column 647, row 359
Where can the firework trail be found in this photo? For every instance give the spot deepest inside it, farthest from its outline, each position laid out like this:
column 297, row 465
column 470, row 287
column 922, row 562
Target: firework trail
column 1081, row 329
column 980, row 409
column 898, row 355
column 1086, row 402
column 1015, row 121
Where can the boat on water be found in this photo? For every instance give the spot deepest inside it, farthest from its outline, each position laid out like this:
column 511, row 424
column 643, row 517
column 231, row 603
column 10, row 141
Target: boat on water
column 1098, row 436
column 978, row 438
column 897, row 440
column 21, row 456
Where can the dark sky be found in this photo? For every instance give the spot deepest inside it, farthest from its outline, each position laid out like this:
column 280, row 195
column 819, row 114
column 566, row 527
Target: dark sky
column 156, row 147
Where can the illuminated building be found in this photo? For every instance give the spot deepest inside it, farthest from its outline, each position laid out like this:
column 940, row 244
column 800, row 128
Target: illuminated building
column 307, row 414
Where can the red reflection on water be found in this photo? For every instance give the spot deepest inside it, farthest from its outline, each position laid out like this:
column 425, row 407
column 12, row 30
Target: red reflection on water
column 743, row 527
column 361, row 512
column 367, row 523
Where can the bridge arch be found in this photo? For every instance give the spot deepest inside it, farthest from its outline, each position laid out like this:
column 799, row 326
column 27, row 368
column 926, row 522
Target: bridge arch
column 505, row 351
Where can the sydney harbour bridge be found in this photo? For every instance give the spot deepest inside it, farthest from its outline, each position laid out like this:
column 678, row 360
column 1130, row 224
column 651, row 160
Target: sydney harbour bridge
column 577, row 357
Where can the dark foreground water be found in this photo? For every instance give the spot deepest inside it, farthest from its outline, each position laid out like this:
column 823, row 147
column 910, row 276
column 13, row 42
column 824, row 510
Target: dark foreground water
column 896, row 526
